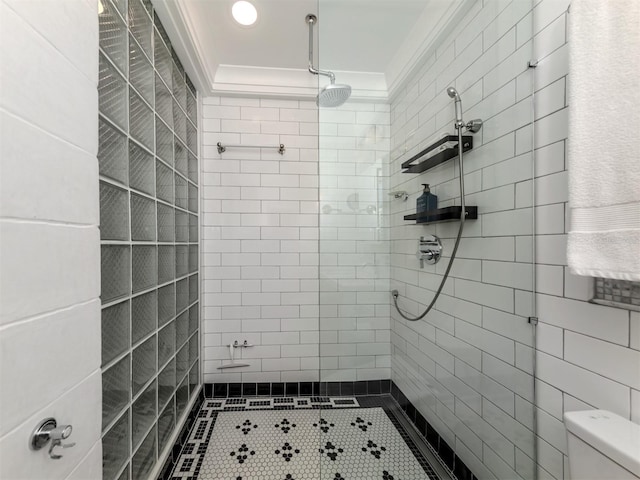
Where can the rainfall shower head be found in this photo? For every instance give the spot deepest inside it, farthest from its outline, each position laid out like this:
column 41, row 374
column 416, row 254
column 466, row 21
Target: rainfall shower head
column 332, row 95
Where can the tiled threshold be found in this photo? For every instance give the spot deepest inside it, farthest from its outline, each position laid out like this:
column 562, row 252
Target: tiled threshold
column 407, row 414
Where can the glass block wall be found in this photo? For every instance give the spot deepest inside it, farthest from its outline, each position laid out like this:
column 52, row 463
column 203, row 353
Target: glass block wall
column 149, row 232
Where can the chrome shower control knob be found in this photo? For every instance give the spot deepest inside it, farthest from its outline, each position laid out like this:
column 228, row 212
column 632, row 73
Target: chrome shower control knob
column 429, row 250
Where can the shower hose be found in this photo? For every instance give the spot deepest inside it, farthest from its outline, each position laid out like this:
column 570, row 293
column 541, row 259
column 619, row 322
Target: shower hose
column 463, row 215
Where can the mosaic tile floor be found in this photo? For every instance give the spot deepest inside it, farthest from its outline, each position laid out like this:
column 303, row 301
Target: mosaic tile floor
column 282, row 439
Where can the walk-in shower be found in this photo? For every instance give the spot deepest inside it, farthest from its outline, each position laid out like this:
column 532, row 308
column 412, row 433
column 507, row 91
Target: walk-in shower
column 301, row 248
column 333, row 95
column 472, row 126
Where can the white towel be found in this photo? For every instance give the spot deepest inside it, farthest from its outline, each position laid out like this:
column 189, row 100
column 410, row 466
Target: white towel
column 604, row 138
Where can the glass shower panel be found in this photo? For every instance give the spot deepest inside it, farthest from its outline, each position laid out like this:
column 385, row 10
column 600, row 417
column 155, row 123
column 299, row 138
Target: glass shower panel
column 460, row 381
column 354, row 260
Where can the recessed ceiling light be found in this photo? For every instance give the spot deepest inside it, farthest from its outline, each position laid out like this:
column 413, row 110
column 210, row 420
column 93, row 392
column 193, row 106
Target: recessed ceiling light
column 244, row 13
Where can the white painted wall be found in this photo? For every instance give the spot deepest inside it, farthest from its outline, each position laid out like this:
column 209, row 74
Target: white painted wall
column 262, row 255
column 49, row 240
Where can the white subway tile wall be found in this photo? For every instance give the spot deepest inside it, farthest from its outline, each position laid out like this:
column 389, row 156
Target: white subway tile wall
column 49, row 238
column 354, row 243
column 588, row 355
column 468, row 369
column 295, row 246
column 457, row 366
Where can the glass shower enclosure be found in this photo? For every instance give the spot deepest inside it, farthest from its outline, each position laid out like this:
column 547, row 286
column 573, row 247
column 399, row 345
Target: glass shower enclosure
column 463, row 376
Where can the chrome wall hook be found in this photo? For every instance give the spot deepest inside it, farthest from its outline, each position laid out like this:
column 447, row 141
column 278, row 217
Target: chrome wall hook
column 48, row 430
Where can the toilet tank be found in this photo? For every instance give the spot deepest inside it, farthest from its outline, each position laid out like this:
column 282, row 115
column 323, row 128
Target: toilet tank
column 602, row 445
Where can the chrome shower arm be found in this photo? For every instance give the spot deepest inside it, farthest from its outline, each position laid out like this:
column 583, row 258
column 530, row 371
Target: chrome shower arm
column 311, row 19
column 315, row 71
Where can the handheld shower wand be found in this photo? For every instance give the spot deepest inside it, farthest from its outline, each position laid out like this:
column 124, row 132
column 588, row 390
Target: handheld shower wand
column 472, row 126
column 453, row 93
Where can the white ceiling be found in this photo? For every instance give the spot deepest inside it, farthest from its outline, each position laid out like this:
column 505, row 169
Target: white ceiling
column 366, row 42
column 354, row 35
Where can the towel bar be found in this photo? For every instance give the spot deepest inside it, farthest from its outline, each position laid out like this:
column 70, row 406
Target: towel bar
column 223, row 148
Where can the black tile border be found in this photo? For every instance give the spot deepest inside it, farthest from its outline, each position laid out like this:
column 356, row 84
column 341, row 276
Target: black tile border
column 297, row 389
column 174, row 455
column 351, row 389
column 385, row 402
column 444, row 451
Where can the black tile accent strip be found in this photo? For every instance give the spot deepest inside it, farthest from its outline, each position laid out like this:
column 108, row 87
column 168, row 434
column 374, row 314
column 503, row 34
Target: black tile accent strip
column 445, row 452
column 235, row 389
column 373, row 387
column 306, row 389
column 295, row 389
column 249, row 389
column 360, row 388
column 316, row 388
column 291, row 389
column 220, row 390
column 264, row 389
column 277, row 389
column 347, row 389
column 208, row 390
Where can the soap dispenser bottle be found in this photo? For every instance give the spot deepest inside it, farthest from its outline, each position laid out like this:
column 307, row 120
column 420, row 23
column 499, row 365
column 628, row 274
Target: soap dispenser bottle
column 425, row 203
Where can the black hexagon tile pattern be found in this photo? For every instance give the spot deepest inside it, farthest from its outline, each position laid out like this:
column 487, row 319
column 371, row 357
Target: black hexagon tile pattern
column 234, row 441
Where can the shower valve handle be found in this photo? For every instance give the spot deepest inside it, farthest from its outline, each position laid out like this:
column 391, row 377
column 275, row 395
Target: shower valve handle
column 429, row 250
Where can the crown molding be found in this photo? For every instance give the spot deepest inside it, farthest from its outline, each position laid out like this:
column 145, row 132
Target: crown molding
column 437, row 21
column 293, row 83
column 181, row 28
column 210, row 78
